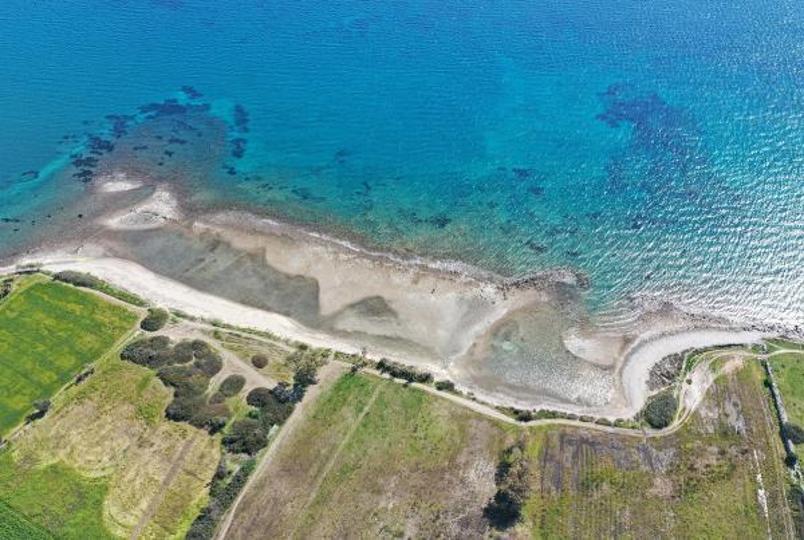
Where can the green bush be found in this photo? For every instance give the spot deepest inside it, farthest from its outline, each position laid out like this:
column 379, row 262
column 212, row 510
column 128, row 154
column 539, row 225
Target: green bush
column 232, row 385
column 155, row 320
column 661, row 410
column 399, row 371
column 259, row 397
column 445, row 386
column 259, row 361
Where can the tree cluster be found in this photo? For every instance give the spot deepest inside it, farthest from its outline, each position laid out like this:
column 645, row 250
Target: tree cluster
column 186, row 367
column 513, row 488
column 400, row 371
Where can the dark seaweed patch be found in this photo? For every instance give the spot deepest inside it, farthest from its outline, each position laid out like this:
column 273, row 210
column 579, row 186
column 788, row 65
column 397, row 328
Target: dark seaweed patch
column 305, row 194
column 241, row 118
column 522, row 173
column 140, row 147
column 99, row 146
column 84, row 175
column 88, row 162
column 341, row 155
column 191, row 92
column 536, row 247
column 176, row 140
column 10, row 220
column 119, row 123
column 168, row 153
column 536, row 191
column 238, row 147
column 30, row 175
column 231, row 171
column 171, row 107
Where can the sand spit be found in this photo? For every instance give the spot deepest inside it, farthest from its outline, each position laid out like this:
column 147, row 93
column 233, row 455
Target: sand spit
column 158, row 210
column 117, row 182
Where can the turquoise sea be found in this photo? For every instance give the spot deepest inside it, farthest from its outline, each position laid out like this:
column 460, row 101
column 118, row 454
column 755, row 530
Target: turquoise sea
column 656, row 146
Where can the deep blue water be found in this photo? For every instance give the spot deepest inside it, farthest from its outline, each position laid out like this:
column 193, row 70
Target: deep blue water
column 657, row 146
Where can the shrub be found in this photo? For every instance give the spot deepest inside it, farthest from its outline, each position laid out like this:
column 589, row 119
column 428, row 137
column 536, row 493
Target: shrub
column 523, row 416
column 661, row 410
column 259, row 361
column 182, row 409
column 246, row 437
column 445, row 386
column 212, row 417
column 305, row 375
column 232, row 385
column 793, row 432
column 79, row 279
column 210, row 363
column 275, row 412
column 186, row 380
column 259, row 397
column 153, row 352
column 155, row 320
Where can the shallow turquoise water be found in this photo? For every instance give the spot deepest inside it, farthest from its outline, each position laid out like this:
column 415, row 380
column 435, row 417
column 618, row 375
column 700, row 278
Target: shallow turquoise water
column 659, row 146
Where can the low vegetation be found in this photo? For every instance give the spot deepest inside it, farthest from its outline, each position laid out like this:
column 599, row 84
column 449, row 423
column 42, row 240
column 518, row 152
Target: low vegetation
column 48, row 333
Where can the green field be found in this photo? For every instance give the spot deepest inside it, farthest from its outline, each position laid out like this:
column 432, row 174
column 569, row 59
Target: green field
column 48, row 331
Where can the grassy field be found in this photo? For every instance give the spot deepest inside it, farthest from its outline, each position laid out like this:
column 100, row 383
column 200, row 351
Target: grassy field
column 377, row 459
column 48, row 331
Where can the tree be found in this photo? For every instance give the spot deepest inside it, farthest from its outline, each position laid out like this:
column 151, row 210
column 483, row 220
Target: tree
column 661, row 410
column 259, row 397
column 155, row 320
column 247, row 437
column 259, row 361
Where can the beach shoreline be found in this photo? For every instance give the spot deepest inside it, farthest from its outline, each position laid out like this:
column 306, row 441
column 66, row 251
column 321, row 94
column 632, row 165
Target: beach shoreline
column 435, row 316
